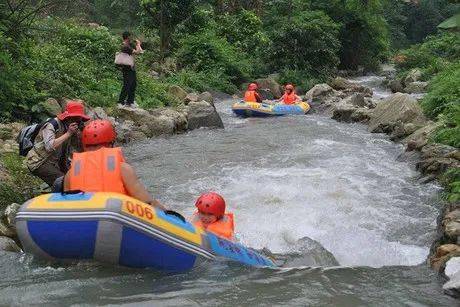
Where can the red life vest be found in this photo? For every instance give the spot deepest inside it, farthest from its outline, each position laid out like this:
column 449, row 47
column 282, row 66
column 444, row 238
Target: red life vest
column 250, row 96
column 223, row 228
column 290, row 98
column 97, row 171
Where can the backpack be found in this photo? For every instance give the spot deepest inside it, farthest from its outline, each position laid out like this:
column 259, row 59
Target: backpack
column 26, row 137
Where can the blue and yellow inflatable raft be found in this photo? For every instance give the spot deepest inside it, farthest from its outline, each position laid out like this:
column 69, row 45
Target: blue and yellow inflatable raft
column 255, row 109
column 121, row 230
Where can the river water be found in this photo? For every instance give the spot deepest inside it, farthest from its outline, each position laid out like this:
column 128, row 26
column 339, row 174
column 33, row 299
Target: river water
column 346, row 219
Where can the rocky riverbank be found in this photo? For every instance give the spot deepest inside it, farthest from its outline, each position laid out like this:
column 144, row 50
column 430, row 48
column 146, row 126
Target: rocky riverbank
column 401, row 117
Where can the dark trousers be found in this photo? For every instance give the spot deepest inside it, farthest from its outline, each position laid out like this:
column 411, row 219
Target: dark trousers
column 129, row 86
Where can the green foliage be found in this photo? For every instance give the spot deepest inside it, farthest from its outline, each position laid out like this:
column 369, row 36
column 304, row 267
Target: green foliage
column 204, row 81
column 303, row 80
column 18, row 185
column 432, row 56
column 244, row 30
column 209, row 53
column 308, row 41
column 451, row 180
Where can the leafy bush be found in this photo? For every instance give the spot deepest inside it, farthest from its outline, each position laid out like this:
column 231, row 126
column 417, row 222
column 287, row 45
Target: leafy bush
column 244, row 30
column 309, row 42
column 207, row 52
column 204, row 81
column 18, row 186
column 432, row 56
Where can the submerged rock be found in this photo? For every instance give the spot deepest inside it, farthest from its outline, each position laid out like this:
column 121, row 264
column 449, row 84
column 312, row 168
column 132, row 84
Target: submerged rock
column 306, row 252
column 396, row 86
column 398, row 107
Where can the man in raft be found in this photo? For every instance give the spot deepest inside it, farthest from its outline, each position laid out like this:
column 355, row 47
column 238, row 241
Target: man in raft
column 251, row 94
column 102, row 167
column 290, row 97
column 212, row 217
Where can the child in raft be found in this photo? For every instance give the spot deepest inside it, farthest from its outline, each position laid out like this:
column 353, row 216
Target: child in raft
column 211, row 216
column 251, row 94
column 290, row 97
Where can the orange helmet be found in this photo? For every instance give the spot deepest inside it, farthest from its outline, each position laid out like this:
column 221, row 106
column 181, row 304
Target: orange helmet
column 211, row 203
column 252, row 87
column 99, row 131
column 289, row 87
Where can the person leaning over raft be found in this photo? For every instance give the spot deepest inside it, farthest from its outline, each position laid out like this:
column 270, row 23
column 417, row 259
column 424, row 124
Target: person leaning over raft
column 48, row 158
column 128, row 90
column 102, row 167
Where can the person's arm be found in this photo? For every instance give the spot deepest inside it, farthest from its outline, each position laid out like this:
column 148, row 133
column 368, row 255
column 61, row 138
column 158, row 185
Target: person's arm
column 282, row 98
column 138, row 49
column 297, row 98
column 49, row 136
column 135, row 188
column 258, row 98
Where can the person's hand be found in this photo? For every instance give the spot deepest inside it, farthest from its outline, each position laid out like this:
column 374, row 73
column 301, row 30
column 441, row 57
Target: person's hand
column 73, row 128
column 138, row 42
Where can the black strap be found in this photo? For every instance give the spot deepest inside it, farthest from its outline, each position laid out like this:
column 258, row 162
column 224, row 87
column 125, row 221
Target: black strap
column 176, row 214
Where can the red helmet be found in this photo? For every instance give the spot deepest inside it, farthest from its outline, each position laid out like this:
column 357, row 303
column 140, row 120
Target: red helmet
column 289, row 87
column 252, row 87
column 211, row 203
column 99, row 131
column 74, row 108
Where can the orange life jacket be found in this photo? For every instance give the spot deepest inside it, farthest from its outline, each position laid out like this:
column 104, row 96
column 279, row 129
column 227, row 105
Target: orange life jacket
column 97, row 171
column 250, row 96
column 289, row 98
column 223, row 228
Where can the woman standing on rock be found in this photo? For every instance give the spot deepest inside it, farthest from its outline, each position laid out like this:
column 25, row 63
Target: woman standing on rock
column 125, row 60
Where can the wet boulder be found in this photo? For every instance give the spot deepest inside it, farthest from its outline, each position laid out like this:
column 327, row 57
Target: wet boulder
column 202, row 114
column 419, row 137
column 271, row 85
column 341, row 84
column 9, row 245
column 396, row 86
column 306, row 252
column 343, row 112
column 451, row 224
column 178, row 120
column 398, row 107
column 442, row 255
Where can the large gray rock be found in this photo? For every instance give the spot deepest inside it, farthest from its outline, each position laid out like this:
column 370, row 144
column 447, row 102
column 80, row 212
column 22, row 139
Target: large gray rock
column 179, row 119
column 319, row 92
column 413, row 75
column 416, row 87
column 191, row 97
column 419, row 137
column 97, row 113
column 398, row 107
column 271, row 85
column 202, row 114
column 451, row 224
column 341, row 84
column 357, row 99
column 8, row 245
column 177, row 92
column 206, row 96
column 343, row 112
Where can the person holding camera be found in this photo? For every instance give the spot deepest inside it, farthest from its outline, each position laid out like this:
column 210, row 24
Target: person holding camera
column 48, row 159
column 128, row 69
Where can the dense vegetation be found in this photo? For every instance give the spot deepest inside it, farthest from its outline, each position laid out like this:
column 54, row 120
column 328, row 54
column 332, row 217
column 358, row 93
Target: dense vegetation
column 53, row 48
